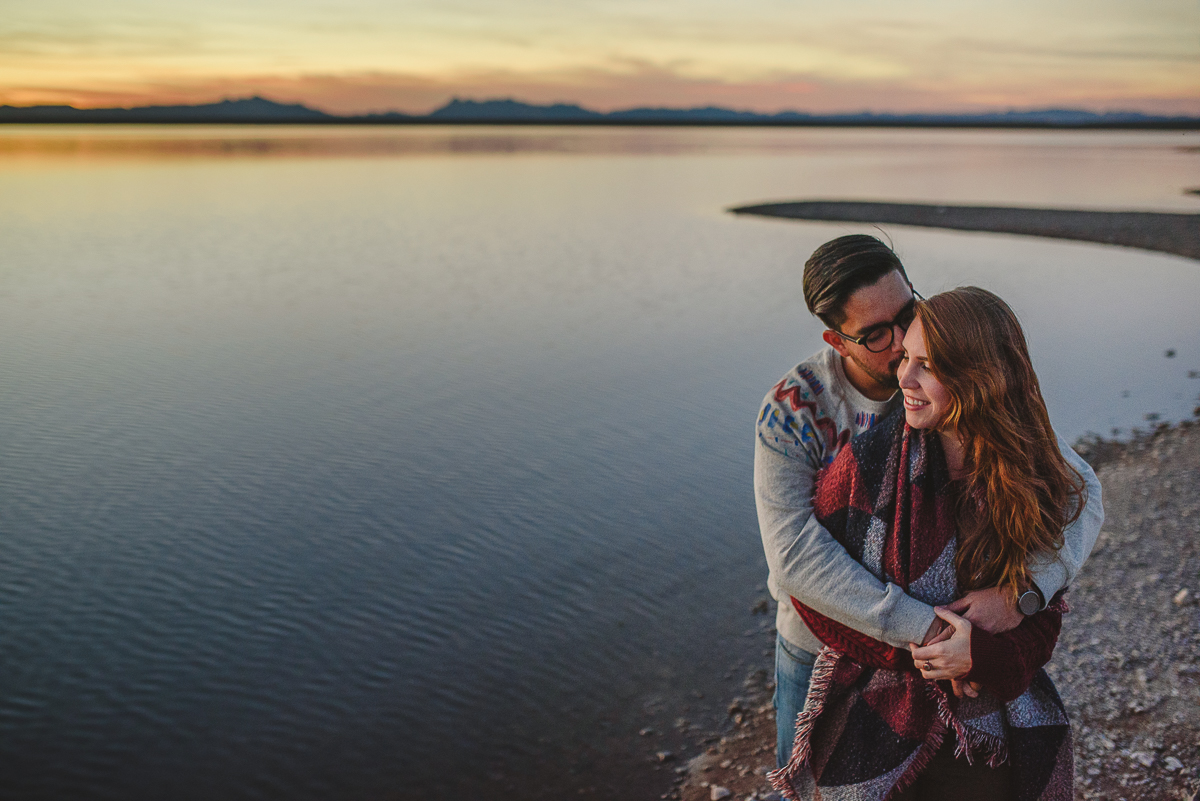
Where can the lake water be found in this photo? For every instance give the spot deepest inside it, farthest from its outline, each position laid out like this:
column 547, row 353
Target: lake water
column 384, row 463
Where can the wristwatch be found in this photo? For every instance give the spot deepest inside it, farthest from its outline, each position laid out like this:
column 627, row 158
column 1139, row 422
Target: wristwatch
column 1030, row 602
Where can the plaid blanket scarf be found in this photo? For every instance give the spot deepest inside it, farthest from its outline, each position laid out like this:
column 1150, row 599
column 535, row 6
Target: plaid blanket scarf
column 871, row 722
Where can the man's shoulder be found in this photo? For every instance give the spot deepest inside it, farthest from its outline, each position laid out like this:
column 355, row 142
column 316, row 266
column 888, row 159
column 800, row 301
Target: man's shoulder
column 796, row 412
column 814, row 383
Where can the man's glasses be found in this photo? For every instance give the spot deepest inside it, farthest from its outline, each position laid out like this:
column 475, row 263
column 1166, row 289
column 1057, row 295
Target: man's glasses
column 879, row 338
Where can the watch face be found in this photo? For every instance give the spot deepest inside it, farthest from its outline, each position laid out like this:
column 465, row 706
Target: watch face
column 1029, row 602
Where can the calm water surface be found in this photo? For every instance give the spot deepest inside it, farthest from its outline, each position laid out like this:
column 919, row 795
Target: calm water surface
column 384, row 463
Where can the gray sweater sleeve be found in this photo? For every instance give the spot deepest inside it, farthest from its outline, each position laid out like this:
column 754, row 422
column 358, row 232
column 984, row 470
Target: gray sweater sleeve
column 808, row 563
column 1052, row 572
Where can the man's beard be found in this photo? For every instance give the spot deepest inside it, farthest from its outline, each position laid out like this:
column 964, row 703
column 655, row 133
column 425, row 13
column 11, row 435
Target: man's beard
column 887, row 379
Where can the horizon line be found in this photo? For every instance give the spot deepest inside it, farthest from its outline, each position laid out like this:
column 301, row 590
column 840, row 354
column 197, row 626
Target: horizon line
column 576, row 105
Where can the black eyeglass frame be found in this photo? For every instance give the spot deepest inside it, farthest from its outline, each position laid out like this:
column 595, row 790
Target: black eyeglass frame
column 890, row 327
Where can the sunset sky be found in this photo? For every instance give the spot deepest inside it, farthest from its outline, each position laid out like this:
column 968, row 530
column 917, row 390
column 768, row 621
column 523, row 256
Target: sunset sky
column 765, row 55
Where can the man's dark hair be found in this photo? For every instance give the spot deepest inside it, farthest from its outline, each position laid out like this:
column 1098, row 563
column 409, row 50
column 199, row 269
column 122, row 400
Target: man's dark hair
column 839, row 268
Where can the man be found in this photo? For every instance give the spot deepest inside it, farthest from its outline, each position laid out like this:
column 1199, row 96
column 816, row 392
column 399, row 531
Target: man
column 857, row 286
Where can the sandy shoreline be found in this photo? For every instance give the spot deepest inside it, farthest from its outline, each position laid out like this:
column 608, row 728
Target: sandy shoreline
column 1178, row 234
column 1127, row 663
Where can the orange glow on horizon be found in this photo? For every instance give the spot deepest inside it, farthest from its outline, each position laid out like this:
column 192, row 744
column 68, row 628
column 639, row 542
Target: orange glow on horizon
column 369, row 56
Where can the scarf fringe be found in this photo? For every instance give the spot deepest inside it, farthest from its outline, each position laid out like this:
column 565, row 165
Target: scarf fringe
column 971, row 743
column 929, row 749
column 818, row 692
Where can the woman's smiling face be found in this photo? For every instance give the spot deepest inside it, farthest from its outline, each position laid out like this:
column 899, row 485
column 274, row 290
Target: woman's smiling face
column 926, row 400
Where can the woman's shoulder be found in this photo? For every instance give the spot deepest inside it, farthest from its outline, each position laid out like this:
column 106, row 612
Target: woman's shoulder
column 862, row 459
column 879, row 438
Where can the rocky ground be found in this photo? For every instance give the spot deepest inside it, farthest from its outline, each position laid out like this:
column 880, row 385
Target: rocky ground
column 1127, row 663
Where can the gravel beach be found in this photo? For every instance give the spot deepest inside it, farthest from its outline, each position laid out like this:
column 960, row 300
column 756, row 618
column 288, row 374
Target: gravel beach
column 1127, row 663
column 1178, row 234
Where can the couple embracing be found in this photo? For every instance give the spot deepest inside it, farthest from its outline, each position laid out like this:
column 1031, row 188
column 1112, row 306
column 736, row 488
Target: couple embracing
column 921, row 522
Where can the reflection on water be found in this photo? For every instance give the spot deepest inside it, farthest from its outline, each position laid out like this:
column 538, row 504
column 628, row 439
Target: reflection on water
column 325, row 142
column 430, row 476
column 143, row 142
column 215, row 141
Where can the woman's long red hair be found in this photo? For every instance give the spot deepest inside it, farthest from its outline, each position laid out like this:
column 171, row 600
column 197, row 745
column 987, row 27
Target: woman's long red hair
column 1019, row 492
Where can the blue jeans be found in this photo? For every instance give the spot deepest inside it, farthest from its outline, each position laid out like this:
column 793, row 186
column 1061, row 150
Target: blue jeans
column 793, row 670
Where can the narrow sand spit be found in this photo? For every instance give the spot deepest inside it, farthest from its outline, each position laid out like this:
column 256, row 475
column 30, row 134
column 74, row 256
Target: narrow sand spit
column 1127, row 663
column 1178, row 234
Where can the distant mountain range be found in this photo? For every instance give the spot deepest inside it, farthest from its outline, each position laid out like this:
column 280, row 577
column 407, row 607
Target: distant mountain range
column 259, row 110
column 251, row 110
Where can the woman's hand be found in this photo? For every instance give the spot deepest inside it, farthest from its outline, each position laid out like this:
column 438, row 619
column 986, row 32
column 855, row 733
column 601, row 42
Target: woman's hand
column 946, row 658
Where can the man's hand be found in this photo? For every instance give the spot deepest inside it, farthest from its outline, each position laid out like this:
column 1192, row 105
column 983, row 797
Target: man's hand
column 993, row 610
column 937, row 632
column 969, row 688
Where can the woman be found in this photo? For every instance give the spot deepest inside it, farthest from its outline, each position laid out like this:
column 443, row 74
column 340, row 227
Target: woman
column 957, row 494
